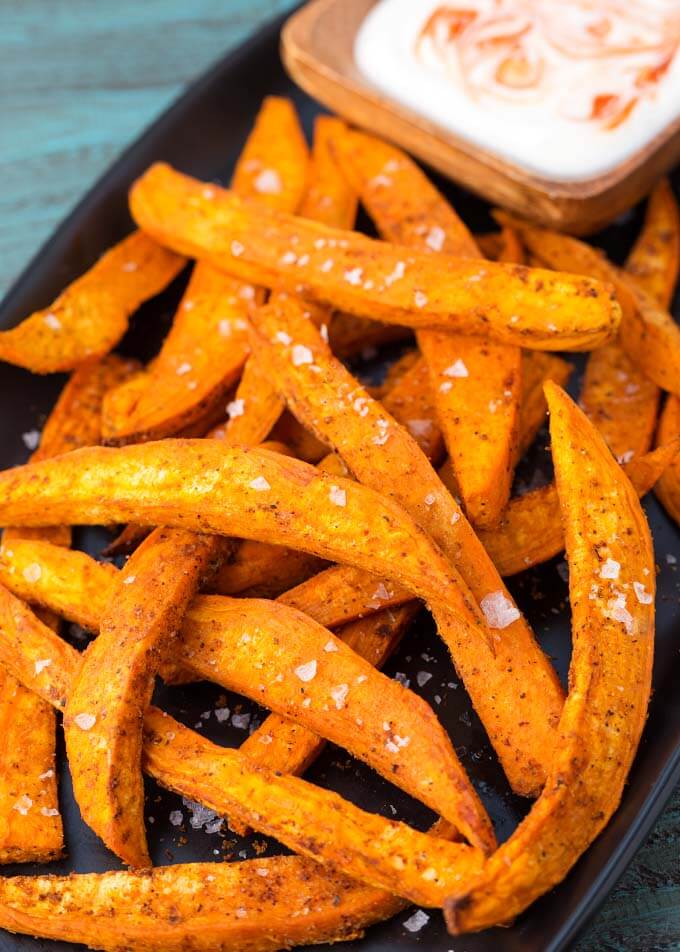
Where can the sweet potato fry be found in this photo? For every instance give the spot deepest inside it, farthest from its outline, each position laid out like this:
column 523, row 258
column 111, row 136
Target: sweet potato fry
column 264, row 571
column 621, row 401
column 113, row 687
column 285, row 746
column 207, row 486
column 648, row 334
column 505, row 302
column 382, row 454
column 531, row 531
column 618, row 394
column 668, row 486
column 233, row 641
column 611, row 590
column 476, row 386
column 89, row 318
column 75, row 421
column 350, row 334
column 365, row 845
column 203, row 355
column 655, row 257
column 259, row 495
column 330, row 200
column 259, row 905
column 411, row 403
column 30, row 824
column 536, row 369
column 78, row 588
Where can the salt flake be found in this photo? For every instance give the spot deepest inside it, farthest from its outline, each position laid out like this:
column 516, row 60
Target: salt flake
column 457, row 369
column 416, row 922
column 641, row 593
column 306, row 672
column 32, row 572
column 85, row 721
column 301, row 355
column 498, row 610
column 610, row 569
column 260, row 484
column 268, row 182
column 235, row 408
column 337, row 496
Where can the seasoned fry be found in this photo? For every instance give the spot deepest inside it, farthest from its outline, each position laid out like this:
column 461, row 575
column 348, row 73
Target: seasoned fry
column 254, row 244
column 655, row 257
column 259, row 905
column 350, row 334
column 283, row 745
column 103, row 717
column 30, row 823
column 313, row 821
column 668, row 487
column 648, row 334
column 208, row 487
column 232, row 641
column 536, row 369
column 621, row 401
column 330, row 200
column 75, row 421
column 89, row 318
column 203, row 355
column 264, row 571
column 411, row 403
column 78, row 588
column 611, row 590
column 382, row 455
column 531, row 531
column 476, row 386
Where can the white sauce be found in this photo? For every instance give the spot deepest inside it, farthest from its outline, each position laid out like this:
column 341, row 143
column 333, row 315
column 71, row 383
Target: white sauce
column 568, row 89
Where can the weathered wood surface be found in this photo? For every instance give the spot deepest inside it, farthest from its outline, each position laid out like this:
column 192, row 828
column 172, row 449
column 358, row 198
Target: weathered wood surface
column 78, row 81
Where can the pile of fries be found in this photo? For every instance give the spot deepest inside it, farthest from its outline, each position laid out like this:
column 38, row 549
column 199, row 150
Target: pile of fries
column 285, row 523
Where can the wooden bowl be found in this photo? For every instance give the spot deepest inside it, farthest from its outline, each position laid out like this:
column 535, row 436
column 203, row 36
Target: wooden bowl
column 317, row 47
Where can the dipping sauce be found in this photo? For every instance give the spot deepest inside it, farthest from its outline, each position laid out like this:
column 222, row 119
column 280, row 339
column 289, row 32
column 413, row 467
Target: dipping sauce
column 568, row 89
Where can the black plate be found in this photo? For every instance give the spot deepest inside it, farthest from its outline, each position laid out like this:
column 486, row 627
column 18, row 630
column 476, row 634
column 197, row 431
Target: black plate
column 202, row 134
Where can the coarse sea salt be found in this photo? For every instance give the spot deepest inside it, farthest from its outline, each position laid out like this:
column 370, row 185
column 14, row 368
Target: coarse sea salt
column 416, row 922
column 307, row 671
column 32, row 572
column 339, row 695
column 268, row 182
column 457, row 369
column 330, row 646
column 23, row 804
column 641, row 593
column 260, row 484
column 498, row 610
column 235, row 408
column 283, row 338
column 337, row 496
column 52, row 321
column 610, row 569
column 40, row 665
column 435, row 238
column 301, row 355
column 31, row 439
column 85, row 721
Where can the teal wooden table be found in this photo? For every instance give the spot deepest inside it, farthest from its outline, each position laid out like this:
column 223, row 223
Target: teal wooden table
column 79, row 79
